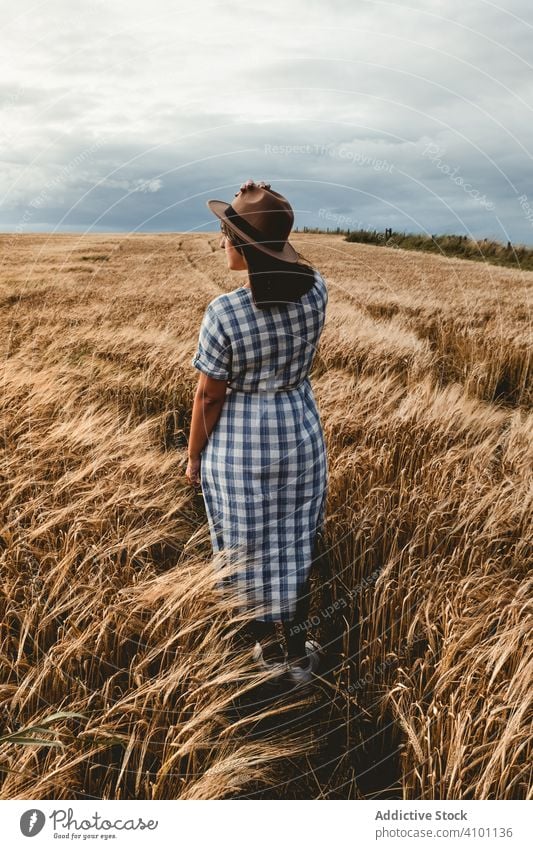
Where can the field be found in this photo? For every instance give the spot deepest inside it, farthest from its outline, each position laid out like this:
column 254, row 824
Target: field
column 109, row 611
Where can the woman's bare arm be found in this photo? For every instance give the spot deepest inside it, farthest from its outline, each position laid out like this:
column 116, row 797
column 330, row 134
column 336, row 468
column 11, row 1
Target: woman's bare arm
column 208, row 402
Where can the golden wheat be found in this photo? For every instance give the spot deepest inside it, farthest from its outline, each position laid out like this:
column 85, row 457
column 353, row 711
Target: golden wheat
column 109, row 604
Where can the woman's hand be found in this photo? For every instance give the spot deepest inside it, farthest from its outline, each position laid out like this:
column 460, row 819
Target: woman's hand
column 193, row 471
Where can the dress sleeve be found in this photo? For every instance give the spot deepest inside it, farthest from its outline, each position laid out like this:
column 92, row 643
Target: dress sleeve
column 213, row 353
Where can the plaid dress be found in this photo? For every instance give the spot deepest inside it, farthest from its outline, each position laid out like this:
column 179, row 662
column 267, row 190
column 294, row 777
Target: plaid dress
column 264, row 470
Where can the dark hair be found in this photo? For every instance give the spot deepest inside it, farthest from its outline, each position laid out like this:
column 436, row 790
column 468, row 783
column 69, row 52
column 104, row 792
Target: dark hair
column 274, row 282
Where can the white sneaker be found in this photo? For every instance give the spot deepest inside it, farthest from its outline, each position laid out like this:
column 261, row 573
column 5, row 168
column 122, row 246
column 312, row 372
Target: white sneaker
column 301, row 675
column 279, row 667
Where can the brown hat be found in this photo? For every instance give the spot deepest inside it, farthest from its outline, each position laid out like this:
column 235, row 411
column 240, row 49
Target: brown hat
column 259, row 216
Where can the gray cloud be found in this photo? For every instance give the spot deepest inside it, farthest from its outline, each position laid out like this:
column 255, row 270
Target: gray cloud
column 128, row 116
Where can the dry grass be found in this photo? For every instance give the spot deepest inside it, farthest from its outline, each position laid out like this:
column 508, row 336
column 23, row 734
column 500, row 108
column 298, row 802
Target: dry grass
column 109, row 605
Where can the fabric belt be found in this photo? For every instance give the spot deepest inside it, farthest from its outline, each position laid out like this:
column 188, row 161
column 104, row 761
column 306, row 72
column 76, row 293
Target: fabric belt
column 259, row 391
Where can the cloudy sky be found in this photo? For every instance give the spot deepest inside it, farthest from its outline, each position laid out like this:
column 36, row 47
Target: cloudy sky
column 126, row 116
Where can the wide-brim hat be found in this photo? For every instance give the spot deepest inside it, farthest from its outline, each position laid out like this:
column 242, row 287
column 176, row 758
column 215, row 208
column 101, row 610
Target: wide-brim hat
column 261, row 217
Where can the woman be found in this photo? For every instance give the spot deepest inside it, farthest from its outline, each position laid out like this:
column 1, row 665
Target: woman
column 256, row 437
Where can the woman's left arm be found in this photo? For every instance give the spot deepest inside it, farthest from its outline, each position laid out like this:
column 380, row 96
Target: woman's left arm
column 208, row 402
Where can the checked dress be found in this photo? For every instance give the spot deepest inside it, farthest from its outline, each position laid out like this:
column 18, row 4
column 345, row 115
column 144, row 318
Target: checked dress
column 264, row 470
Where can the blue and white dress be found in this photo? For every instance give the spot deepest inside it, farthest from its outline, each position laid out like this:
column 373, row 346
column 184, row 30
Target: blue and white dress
column 264, row 470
